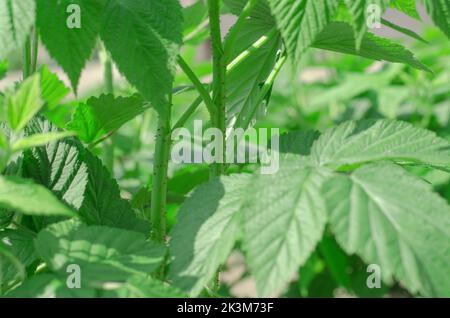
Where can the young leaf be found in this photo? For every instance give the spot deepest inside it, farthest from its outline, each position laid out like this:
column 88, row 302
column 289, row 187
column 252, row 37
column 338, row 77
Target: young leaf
column 79, row 178
column 439, row 10
column 103, row 115
column 358, row 11
column 143, row 37
column 69, row 30
column 21, row 245
column 339, row 37
column 207, row 228
column 139, row 287
column 53, row 89
column 354, row 143
column 25, row 103
column 16, row 20
column 104, row 254
column 29, row 198
column 390, row 218
column 284, row 218
column 301, row 21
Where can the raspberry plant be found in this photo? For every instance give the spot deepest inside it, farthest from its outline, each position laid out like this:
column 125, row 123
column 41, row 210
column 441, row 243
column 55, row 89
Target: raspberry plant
column 351, row 192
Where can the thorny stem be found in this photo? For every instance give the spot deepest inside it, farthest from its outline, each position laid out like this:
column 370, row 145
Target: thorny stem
column 159, row 182
column 218, row 85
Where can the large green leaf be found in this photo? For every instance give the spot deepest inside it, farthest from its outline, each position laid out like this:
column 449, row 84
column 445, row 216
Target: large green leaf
column 21, row 244
column 390, row 218
column 79, row 178
column 69, row 45
column 207, row 228
column 24, row 103
column 439, row 10
column 284, row 218
column 26, row 197
column 103, row 254
column 358, row 11
column 102, row 115
column 16, row 20
column 355, row 143
column 144, row 37
column 138, row 287
column 245, row 80
column 301, row 21
column 260, row 11
column 49, row 286
column 339, row 37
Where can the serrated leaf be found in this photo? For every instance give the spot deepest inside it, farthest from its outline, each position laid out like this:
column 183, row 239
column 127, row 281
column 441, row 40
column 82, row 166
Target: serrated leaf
column 79, row 178
column 53, row 89
column 29, row 198
column 283, row 223
column 21, row 245
column 339, row 37
column 144, row 37
column 49, row 286
column 406, row 6
column 390, row 218
column 104, row 254
column 24, row 103
column 138, row 287
column 297, row 142
column 260, row 11
column 301, row 21
column 358, row 11
column 71, row 46
column 439, row 10
column 207, row 228
column 102, row 115
column 354, row 143
column 16, row 20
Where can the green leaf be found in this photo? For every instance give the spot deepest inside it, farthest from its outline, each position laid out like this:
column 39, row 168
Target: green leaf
column 208, row 226
column 358, row 11
column 406, row 6
column 104, row 254
column 79, row 178
column 103, row 115
column 16, row 20
column 69, row 44
column 245, row 80
column 53, row 89
column 194, row 28
column 29, row 198
column 49, row 286
column 261, row 10
column 139, row 287
column 3, row 69
column 25, row 103
column 354, row 143
column 439, row 10
column 21, row 245
column 284, row 218
column 144, row 37
column 39, row 140
column 390, row 218
column 339, row 37
column 301, row 21
column 297, row 142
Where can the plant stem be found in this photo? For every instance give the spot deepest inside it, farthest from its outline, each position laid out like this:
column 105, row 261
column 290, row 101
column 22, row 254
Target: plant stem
column 218, row 85
column 26, row 67
column 198, row 85
column 35, row 50
column 159, row 182
column 108, row 145
column 191, row 109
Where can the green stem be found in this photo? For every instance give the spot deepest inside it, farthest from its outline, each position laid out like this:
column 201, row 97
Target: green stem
column 108, row 145
column 35, row 50
column 218, row 85
column 159, row 182
column 198, row 85
column 26, row 67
